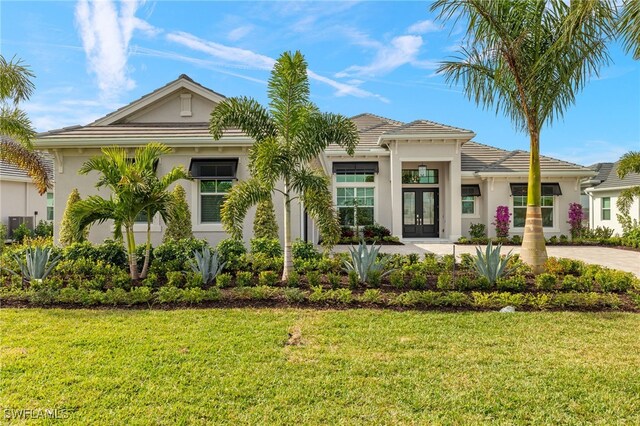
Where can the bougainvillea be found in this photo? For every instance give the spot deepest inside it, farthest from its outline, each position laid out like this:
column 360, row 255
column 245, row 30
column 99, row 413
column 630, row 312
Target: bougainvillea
column 576, row 216
column 502, row 221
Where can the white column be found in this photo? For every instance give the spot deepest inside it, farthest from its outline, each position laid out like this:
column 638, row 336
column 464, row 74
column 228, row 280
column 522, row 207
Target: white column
column 396, row 192
column 455, row 191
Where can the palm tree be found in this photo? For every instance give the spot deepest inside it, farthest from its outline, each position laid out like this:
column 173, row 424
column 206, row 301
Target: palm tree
column 288, row 136
column 16, row 130
column 135, row 190
column 528, row 59
column 629, row 163
column 629, row 26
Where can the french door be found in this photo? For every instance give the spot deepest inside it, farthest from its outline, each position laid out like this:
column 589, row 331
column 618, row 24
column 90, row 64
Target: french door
column 420, row 212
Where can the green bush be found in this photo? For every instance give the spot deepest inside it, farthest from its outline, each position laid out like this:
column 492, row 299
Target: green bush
column 67, row 227
column 453, row 299
column 267, row 246
column 139, row 295
column 334, row 280
column 179, row 225
column 264, row 222
column 396, row 278
column 478, row 230
column 612, row 280
column 293, row 279
column 115, row 296
column 268, row 278
column 374, row 278
column 313, row 278
column 573, row 283
column 546, row 282
column 194, row 279
column 193, row 295
column 232, row 251
column 20, row 233
column 173, row 255
column 151, row 281
column 175, row 279
column 294, row 295
column 353, row 279
column 512, row 283
column 371, row 296
column 445, row 281
column 304, row 250
column 244, row 279
column 43, row 229
column 223, row 280
column 588, row 300
column 168, row 294
column 263, row 262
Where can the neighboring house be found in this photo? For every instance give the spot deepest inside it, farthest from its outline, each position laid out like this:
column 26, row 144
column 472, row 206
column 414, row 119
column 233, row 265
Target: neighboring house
column 603, row 191
column 19, row 197
column 422, row 180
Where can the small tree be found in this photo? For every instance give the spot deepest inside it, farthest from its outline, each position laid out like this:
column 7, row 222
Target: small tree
column 502, row 221
column 179, row 224
column 264, row 224
column 576, row 216
column 67, row 229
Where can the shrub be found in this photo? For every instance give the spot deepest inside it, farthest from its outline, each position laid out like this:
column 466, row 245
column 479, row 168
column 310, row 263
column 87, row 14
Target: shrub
column 375, row 232
column 194, row 280
column 179, row 225
column 293, row 279
column 570, row 283
column 223, row 280
column 268, row 278
column 374, row 278
column 317, row 294
column 585, row 300
column 342, row 295
column 611, row 280
column 513, row 283
column 115, row 296
column 418, row 282
column 263, row 262
column 231, row 252
column 353, row 279
column 396, row 278
column 546, row 282
column 365, row 260
column 452, row 298
column 193, row 295
column 37, row 263
column 371, row 296
column 168, row 294
column 334, row 280
column 502, row 221
column 576, row 216
column 175, row 279
column 68, row 234
column 264, row 223
column 267, row 246
column 313, row 278
column 294, row 295
column 478, row 230
column 207, row 264
column 244, row 279
column 173, row 255
column 43, row 229
column 445, row 281
column 151, row 280
column 516, row 240
column 304, row 250
column 139, row 295
column 490, row 264
column 466, row 261
column 20, row 233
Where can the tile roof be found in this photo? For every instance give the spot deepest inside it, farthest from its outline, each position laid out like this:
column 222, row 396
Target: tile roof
column 613, row 181
column 603, row 170
column 10, row 171
column 136, row 130
column 426, row 126
column 476, row 156
column 367, row 120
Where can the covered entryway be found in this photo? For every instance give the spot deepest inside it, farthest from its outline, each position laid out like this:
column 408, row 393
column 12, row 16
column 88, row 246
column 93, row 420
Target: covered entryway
column 420, row 207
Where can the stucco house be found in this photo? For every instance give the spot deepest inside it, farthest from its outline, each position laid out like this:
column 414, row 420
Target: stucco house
column 602, row 192
column 20, row 201
column 422, row 180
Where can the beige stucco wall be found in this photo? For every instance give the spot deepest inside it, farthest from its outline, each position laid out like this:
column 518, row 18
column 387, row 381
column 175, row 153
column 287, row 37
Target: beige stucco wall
column 168, row 110
column 480, row 215
column 595, row 210
column 20, row 198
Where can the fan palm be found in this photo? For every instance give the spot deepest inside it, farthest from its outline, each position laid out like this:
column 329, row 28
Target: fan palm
column 288, row 136
column 135, row 189
column 16, row 130
column 528, row 59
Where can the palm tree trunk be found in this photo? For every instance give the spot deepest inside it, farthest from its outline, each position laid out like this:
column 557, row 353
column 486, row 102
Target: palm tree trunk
column 131, row 245
column 147, row 252
column 288, row 259
column 534, row 252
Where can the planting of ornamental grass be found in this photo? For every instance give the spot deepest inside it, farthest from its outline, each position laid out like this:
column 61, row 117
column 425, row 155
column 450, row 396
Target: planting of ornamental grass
column 292, row 366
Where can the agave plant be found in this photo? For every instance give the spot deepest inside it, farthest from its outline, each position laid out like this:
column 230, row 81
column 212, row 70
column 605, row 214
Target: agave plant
column 206, row 263
column 490, row 264
column 36, row 264
column 364, row 261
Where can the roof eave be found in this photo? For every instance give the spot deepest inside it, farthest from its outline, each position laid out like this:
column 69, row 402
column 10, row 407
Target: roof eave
column 544, row 173
column 426, row 136
column 187, row 141
column 612, row 188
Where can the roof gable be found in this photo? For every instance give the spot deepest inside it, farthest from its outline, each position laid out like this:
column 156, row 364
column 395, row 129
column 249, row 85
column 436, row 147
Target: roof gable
column 166, row 104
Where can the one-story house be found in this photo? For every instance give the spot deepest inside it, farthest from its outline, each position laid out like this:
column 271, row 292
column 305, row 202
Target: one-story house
column 422, row 180
column 603, row 191
column 20, row 201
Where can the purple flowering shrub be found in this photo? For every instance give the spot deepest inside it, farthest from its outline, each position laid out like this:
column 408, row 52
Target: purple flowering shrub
column 576, row 216
column 502, row 221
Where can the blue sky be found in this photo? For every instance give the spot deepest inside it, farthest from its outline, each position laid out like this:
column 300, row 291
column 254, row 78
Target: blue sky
column 379, row 57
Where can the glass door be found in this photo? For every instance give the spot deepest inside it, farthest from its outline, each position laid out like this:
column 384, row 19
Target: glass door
column 420, row 212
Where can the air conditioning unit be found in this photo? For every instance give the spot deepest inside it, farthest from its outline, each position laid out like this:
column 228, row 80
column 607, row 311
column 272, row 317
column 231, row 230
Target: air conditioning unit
column 15, row 221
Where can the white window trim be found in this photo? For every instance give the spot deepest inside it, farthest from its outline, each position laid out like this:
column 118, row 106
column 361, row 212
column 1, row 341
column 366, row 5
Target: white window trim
column 197, row 226
column 602, row 209
column 476, row 213
column 520, row 230
column 373, row 185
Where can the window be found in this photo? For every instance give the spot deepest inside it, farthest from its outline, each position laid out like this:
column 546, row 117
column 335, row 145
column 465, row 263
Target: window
column 468, row 204
column 354, row 178
column 212, row 193
column 606, row 208
column 49, row 205
column 142, row 217
column 352, row 200
column 520, row 210
column 413, row 176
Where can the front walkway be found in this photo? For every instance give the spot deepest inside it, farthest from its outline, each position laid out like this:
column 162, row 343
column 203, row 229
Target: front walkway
column 625, row 260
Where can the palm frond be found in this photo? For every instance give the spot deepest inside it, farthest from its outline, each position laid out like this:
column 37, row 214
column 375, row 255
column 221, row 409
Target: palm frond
column 321, row 130
column 629, row 27
column 146, row 156
column 15, row 124
column 269, row 161
column 239, row 200
column 15, row 80
column 629, row 163
column 313, row 185
column 30, row 161
column 243, row 113
column 92, row 210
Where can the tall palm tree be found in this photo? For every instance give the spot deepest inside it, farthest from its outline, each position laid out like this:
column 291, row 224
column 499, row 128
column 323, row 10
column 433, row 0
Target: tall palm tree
column 16, row 130
column 629, row 163
column 528, row 59
column 629, row 26
column 288, row 136
column 135, row 189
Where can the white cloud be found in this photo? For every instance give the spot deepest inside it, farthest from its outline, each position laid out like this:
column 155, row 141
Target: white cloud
column 402, row 50
column 247, row 59
column 423, row 27
column 106, row 30
column 239, row 32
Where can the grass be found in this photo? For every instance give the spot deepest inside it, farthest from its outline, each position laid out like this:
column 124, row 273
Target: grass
column 346, row 367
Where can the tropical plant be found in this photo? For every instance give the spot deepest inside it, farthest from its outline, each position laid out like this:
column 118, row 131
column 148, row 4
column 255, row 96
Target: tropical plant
column 289, row 136
column 207, row 264
column 364, row 262
column 529, row 59
column 629, row 26
column 179, row 225
column 67, row 228
column 16, row 130
column 264, row 223
column 576, row 216
column 490, row 264
column 502, row 221
column 135, row 190
column 629, row 163
column 36, row 264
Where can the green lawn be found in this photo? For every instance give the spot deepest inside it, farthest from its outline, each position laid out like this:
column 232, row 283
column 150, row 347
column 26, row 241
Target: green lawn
column 352, row 367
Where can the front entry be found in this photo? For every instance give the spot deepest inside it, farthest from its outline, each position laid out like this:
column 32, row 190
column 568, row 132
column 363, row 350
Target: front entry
column 420, row 212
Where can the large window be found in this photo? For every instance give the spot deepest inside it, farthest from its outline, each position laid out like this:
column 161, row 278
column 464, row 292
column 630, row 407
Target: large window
column 49, row 205
column 355, row 205
column 547, row 200
column 468, row 204
column 212, row 193
column 606, row 208
column 413, row 176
